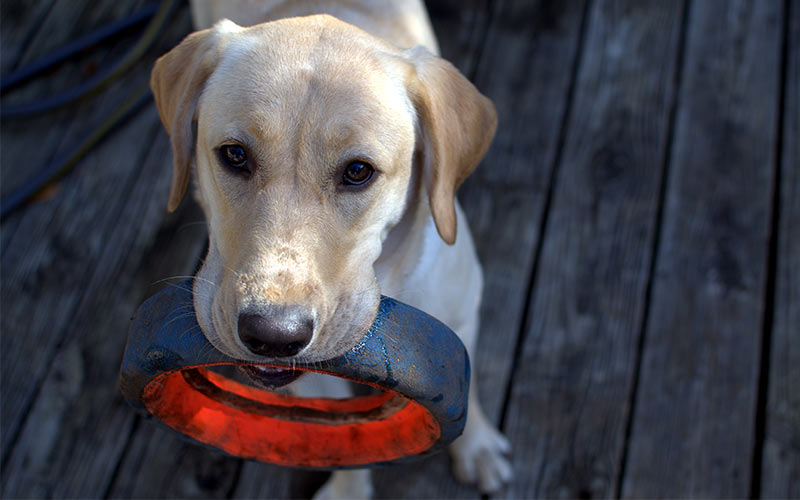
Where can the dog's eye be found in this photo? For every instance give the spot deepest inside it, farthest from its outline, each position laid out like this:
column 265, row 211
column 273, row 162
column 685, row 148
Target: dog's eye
column 235, row 157
column 357, row 173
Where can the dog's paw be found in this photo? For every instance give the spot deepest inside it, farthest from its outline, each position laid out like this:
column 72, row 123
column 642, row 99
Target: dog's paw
column 346, row 484
column 479, row 457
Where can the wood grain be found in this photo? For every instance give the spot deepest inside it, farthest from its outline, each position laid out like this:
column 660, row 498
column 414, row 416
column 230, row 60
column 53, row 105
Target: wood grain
column 571, row 388
column 31, row 143
column 63, row 330
column 21, row 22
column 460, row 28
column 75, row 433
column 50, row 248
column 160, row 464
column 568, row 196
column 780, row 467
column 527, row 71
column 692, row 433
column 65, row 373
column 48, row 254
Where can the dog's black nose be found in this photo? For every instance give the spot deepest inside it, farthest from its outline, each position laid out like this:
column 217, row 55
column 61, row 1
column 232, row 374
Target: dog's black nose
column 277, row 332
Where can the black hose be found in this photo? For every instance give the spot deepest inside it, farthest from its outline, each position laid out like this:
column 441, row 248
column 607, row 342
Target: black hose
column 59, row 168
column 40, row 16
column 99, row 81
column 22, row 75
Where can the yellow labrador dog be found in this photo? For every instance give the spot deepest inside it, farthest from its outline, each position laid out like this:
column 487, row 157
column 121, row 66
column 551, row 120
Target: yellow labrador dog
column 328, row 144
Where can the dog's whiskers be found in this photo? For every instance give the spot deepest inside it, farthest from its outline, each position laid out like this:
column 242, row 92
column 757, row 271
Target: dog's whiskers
column 190, row 224
column 181, row 277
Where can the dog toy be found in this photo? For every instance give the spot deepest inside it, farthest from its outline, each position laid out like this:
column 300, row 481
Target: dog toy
column 170, row 371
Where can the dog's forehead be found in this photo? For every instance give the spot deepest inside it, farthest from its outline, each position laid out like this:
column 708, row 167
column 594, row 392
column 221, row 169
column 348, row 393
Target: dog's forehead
column 330, row 79
column 286, row 62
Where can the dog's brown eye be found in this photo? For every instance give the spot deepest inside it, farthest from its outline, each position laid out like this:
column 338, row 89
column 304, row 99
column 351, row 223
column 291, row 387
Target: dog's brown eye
column 357, row 173
column 234, row 156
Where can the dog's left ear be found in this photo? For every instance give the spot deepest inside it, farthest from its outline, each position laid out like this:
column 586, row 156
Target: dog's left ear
column 177, row 80
column 458, row 124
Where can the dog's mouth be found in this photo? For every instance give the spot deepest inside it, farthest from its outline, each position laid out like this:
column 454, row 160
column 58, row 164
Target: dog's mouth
column 268, row 377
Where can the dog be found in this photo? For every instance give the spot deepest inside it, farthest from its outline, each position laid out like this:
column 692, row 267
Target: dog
column 328, row 143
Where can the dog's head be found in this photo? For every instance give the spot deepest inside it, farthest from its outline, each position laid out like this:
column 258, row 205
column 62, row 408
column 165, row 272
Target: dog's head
column 310, row 138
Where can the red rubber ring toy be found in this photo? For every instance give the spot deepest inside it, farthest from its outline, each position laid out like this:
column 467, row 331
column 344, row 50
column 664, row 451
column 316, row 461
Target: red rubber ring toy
column 420, row 366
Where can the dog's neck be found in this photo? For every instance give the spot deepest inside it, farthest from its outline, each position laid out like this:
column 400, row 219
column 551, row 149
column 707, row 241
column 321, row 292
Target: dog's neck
column 404, row 23
column 406, row 245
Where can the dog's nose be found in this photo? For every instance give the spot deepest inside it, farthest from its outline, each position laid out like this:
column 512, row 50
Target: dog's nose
column 278, row 332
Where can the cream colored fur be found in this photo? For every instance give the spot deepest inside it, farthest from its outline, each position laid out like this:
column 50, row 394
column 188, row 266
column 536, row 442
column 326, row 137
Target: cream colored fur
column 305, row 94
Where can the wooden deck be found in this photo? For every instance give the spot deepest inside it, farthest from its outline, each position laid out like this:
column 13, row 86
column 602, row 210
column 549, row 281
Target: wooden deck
column 638, row 218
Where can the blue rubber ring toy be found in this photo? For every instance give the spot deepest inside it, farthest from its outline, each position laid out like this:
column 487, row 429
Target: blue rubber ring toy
column 171, row 371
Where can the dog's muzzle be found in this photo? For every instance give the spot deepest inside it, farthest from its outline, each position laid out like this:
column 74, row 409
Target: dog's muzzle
column 172, row 372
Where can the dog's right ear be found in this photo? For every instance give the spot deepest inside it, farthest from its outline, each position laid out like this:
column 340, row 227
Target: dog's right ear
column 177, row 80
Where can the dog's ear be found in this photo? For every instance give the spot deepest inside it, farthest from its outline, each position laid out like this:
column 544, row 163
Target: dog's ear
column 177, row 80
column 457, row 124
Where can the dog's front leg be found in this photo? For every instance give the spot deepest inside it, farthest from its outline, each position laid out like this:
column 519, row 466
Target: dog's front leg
column 350, row 484
column 479, row 454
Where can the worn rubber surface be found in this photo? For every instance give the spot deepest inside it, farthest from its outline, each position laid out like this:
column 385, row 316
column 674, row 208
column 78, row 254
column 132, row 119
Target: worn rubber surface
column 419, row 364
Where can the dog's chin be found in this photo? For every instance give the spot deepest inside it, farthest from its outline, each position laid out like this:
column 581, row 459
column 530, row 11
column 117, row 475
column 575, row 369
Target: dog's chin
column 268, row 377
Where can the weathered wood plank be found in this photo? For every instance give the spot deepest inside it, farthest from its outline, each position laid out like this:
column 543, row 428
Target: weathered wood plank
column 571, row 388
column 160, row 464
column 21, row 20
column 76, row 430
column 44, row 263
column 780, row 468
column 259, row 480
column 54, row 244
column 460, row 28
column 198, row 473
column 51, row 419
column 54, row 252
column 41, row 139
column 527, row 71
column 268, row 481
column 81, row 445
column 64, row 22
column 693, row 424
